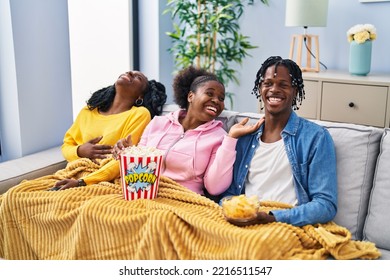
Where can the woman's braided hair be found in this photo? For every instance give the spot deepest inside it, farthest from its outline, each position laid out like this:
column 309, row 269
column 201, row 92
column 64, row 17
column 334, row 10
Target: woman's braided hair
column 295, row 74
column 154, row 98
column 102, row 99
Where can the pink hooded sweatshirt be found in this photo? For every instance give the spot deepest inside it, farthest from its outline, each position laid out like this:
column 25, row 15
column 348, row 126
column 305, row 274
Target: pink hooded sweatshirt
column 197, row 158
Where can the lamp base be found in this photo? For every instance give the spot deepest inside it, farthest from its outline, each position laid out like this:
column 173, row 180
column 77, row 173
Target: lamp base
column 309, row 52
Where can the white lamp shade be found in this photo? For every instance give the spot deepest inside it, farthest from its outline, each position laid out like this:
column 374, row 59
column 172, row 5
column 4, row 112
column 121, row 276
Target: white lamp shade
column 306, row 12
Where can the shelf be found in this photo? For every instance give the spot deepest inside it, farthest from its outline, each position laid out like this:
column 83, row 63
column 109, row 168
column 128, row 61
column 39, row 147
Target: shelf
column 341, row 97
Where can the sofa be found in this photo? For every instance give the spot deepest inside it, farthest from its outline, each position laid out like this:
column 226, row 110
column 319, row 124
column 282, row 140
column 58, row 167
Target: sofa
column 363, row 159
column 31, row 166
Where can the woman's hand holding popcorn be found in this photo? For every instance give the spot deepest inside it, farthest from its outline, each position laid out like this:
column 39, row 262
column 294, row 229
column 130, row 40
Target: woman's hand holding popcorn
column 120, row 145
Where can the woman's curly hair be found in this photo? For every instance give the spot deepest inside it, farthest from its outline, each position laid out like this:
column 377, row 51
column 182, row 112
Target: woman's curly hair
column 189, row 79
column 154, row 98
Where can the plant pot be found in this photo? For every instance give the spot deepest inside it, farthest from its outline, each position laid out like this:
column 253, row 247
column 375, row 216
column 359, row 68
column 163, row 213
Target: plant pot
column 360, row 58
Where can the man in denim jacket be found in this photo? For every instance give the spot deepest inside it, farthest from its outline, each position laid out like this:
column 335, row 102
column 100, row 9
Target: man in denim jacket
column 288, row 159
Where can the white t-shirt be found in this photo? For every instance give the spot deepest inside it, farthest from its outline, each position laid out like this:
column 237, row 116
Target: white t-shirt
column 270, row 176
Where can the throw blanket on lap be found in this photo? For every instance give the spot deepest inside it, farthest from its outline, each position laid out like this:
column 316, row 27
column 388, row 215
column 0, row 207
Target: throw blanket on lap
column 95, row 222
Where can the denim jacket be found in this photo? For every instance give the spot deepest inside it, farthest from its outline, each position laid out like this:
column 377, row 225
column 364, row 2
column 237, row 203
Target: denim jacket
column 311, row 153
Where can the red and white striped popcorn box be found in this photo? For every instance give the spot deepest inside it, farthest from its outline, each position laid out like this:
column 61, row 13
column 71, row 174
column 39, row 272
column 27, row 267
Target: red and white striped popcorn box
column 140, row 174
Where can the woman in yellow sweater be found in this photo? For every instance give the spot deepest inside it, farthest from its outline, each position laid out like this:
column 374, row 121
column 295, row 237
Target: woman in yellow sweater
column 111, row 114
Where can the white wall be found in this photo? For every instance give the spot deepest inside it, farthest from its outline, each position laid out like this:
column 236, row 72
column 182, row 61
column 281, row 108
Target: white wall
column 149, row 36
column 266, row 28
column 35, row 98
column 100, row 45
column 155, row 61
column 76, row 55
column 265, row 25
column 8, row 85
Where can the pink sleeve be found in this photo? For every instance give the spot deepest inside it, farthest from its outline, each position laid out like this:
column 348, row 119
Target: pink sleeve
column 145, row 135
column 218, row 176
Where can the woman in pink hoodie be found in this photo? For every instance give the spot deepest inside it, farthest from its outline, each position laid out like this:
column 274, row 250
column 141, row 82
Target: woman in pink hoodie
column 198, row 153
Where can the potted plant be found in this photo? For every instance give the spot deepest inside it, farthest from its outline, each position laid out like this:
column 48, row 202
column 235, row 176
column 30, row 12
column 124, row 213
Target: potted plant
column 207, row 35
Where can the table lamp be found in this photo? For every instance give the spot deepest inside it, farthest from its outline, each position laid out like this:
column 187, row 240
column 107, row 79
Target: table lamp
column 306, row 13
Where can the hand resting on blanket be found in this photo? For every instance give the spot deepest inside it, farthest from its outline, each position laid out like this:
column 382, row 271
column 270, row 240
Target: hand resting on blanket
column 261, row 218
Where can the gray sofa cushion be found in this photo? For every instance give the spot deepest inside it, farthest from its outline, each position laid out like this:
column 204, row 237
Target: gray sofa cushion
column 227, row 118
column 385, row 254
column 253, row 117
column 30, row 167
column 377, row 226
column 357, row 149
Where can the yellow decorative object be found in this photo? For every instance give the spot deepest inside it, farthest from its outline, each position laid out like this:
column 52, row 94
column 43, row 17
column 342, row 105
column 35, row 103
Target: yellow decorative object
column 361, row 33
column 240, row 207
column 95, row 222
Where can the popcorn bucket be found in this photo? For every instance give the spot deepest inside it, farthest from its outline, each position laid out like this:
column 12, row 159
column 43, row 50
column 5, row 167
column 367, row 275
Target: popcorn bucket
column 140, row 172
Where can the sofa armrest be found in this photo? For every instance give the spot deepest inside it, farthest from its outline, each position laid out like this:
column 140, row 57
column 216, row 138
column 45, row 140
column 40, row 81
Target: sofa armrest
column 29, row 167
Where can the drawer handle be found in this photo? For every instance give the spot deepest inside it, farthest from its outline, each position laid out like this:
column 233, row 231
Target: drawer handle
column 351, row 104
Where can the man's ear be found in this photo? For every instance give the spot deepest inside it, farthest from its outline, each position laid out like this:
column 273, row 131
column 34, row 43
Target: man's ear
column 295, row 92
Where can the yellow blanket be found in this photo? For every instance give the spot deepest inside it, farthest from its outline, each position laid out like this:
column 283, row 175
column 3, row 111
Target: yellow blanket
column 95, row 222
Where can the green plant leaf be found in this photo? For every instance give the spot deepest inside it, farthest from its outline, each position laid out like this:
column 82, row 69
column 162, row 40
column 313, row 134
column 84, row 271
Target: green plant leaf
column 208, row 31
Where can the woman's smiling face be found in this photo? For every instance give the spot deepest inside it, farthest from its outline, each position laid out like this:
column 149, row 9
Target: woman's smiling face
column 208, row 101
column 277, row 91
column 134, row 82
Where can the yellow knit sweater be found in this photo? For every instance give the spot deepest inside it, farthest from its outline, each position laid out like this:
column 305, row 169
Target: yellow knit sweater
column 91, row 124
